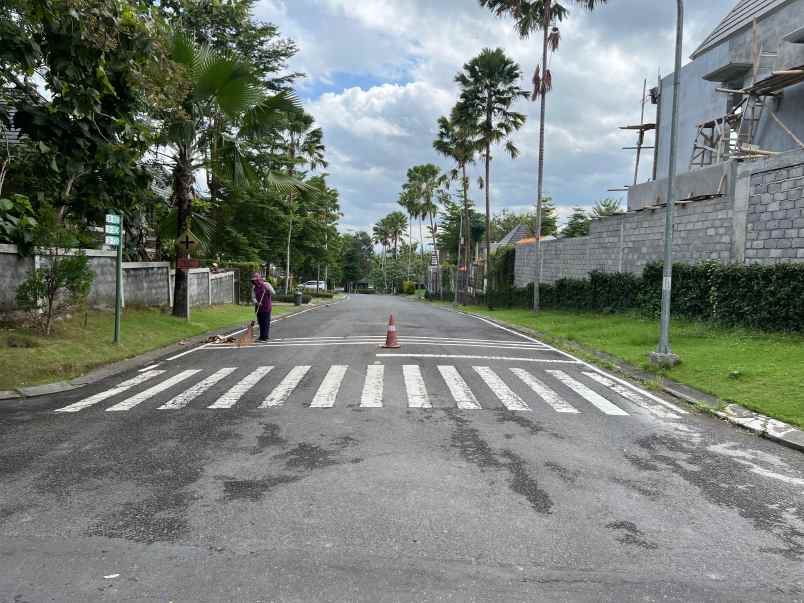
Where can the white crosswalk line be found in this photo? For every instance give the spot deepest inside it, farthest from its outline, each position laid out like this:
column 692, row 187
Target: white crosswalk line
column 372, row 389
column 282, row 391
column 506, row 395
column 591, row 396
column 328, row 391
column 414, row 385
column 633, row 396
column 184, row 398
column 133, row 401
column 545, row 393
column 231, row 397
column 459, row 389
column 109, row 393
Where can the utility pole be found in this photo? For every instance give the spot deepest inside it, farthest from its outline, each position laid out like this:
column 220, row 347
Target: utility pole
column 663, row 356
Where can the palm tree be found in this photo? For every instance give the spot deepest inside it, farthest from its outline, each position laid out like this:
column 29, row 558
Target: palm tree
column 410, row 202
column 531, row 16
column 455, row 141
column 488, row 88
column 217, row 85
column 424, row 180
column 305, row 147
column 396, row 222
column 380, row 235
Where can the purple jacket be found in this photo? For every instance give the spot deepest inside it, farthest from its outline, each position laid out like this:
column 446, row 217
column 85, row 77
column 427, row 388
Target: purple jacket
column 263, row 291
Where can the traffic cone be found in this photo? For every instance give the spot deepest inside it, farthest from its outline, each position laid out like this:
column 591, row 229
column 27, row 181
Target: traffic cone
column 390, row 338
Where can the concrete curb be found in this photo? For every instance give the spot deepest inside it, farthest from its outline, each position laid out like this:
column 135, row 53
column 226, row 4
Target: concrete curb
column 143, row 359
column 761, row 425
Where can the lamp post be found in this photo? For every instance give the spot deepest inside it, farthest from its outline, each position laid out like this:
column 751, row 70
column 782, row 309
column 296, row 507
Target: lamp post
column 663, row 356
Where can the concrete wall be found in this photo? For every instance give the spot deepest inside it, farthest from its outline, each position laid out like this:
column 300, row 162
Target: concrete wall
column 701, row 102
column 760, row 220
column 706, row 181
column 144, row 283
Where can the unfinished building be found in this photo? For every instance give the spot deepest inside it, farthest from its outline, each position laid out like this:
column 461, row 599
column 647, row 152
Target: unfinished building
column 740, row 155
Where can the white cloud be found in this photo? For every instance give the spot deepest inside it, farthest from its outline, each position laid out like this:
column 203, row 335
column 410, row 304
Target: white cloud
column 408, row 52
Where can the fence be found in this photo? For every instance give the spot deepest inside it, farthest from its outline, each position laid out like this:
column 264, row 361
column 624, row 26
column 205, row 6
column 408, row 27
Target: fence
column 144, row 283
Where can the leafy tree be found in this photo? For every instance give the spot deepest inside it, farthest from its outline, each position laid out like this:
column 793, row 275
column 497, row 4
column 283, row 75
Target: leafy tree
column 17, row 222
column 606, row 207
column 531, row 16
column 488, row 89
column 358, row 252
column 61, row 284
column 452, row 216
column 578, row 224
column 505, row 221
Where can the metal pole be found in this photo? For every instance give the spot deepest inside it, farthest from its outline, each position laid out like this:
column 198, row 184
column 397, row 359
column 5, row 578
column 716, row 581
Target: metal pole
column 664, row 354
column 118, row 287
column 458, row 269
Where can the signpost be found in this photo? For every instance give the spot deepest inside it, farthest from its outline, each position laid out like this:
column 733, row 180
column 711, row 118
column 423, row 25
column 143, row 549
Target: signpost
column 114, row 238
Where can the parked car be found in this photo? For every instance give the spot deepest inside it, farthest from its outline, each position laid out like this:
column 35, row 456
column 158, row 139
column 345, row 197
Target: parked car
column 320, row 285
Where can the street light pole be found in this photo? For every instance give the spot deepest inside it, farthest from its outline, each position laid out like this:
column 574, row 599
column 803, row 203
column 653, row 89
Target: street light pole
column 663, row 356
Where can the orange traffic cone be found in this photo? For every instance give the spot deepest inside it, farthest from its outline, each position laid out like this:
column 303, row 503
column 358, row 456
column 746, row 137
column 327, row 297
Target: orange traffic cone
column 390, row 338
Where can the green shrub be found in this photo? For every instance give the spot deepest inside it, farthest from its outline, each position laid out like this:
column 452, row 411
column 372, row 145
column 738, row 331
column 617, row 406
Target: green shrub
column 291, row 299
column 408, row 288
column 320, row 294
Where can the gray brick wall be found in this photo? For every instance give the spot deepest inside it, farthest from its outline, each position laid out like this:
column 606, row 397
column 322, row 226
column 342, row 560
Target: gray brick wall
column 775, row 220
column 146, row 284
column 222, row 288
column 13, row 270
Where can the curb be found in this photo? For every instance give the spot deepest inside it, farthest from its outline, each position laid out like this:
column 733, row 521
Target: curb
column 122, row 366
column 761, row 425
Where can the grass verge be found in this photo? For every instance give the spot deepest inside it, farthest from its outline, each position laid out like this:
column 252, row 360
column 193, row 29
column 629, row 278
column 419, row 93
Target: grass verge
column 761, row 371
column 73, row 349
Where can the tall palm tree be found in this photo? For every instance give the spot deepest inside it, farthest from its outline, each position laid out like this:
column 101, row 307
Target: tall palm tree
column 396, row 222
column 217, row 85
column 410, row 202
column 305, row 149
column 424, row 180
column 531, row 16
column 489, row 86
column 381, row 236
column 456, row 141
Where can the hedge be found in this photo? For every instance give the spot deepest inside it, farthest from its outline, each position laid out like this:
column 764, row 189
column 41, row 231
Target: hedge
column 291, row 299
column 366, row 291
column 761, row 297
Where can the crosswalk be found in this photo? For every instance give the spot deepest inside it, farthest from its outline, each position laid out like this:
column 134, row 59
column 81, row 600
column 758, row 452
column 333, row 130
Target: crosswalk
column 471, row 388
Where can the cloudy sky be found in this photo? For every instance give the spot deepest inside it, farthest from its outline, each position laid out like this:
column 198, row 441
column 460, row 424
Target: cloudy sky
column 380, row 73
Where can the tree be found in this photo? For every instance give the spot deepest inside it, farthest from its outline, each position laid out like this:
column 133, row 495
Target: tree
column 607, row 207
column 531, row 16
column 578, row 224
column 488, row 88
column 409, row 200
column 451, row 218
column 358, row 252
column 217, row 85
column 505, row 221
column 396, row 223
column 423, row 182
column 381, row 236
column 456, row 141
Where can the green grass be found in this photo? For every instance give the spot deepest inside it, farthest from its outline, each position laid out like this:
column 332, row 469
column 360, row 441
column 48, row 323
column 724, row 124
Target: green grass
column 761, row 371
column 73, row 349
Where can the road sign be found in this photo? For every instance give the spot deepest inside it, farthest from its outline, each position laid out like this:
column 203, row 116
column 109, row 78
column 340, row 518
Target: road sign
column 187, row 242
column 113, row 229
column 187, row 263
column 112, row 241
column 113, row 219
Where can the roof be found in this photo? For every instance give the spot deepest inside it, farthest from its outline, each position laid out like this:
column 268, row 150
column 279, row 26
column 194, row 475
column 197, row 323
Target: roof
column 740, row 17
column 517, row 234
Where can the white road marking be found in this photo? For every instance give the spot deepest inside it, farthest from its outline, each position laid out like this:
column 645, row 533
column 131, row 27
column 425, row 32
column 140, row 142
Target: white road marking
column 459, row 389
column 633, row 396
column 414, row 384
column 133, row 401
column 372, row 389
column 374, row 342
column 545, row 393
column 328, row 391
column 148, row 368
column 118, row 389
column 231, row 397
column 505, row 394
column 592, row 367
column 590, row 395
column 470, row 357
column 183, row 399
column 282, row 391
column 750, row 458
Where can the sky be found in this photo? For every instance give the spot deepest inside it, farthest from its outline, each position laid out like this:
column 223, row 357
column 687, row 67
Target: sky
column 379, row 73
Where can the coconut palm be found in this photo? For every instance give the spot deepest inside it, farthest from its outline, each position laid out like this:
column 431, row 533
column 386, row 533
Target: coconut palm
column 531, row 16
column 424, row 180
column 217, row 85
column 488, row 88
column 410, row 202
column 396, row 222
column 456, row 141
column 381, row 236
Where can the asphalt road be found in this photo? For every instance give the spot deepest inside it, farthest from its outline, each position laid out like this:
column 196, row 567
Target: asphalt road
column 472, row 464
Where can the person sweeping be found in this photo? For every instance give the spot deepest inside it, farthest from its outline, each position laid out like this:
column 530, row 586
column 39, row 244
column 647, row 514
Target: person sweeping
column 263, row 293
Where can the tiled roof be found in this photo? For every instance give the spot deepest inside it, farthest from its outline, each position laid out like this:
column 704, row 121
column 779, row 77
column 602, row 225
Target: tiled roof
column 516, row 235
column 741, row 16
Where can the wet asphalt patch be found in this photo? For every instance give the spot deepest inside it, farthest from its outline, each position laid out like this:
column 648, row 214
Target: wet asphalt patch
column 631, row 535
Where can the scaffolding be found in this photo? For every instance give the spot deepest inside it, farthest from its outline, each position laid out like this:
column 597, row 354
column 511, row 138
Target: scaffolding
column 641, row 129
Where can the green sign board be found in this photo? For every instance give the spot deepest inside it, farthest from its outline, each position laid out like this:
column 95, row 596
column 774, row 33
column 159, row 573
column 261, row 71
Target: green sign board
column 112, row 241
column 113, row 219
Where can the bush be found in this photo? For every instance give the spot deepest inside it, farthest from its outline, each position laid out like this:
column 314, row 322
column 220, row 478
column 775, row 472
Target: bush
column 408, row 288
column 320, row 294
column 291, row 299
